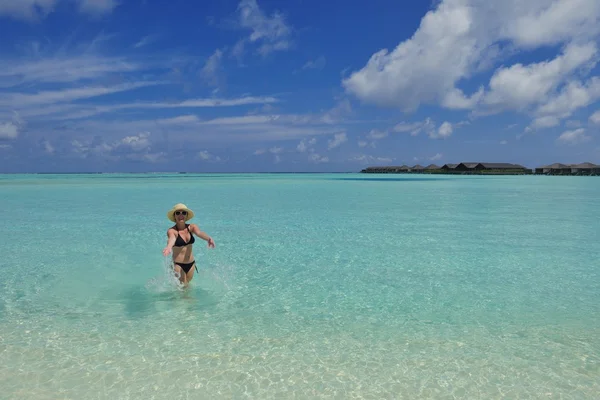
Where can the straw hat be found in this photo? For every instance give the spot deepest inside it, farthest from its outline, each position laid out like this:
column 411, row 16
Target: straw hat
column 180, row 207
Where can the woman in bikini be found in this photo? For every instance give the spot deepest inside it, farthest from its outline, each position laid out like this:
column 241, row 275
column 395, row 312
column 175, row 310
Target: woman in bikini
column 180, row 241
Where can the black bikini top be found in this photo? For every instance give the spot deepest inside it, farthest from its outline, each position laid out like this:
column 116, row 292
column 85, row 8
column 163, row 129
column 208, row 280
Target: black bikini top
column 179, row 242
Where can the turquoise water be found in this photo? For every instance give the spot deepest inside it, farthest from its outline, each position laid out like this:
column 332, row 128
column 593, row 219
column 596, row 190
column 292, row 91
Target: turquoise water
column 320, row 286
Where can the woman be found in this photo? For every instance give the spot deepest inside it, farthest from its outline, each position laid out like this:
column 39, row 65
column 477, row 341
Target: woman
column 180, row 241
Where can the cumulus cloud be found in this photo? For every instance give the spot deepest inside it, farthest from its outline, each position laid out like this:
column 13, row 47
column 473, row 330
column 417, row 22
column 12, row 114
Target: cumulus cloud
column 8, row 130
column 595, row 117
column 574, row 137
column 136, row 147
column 520, row 86
column 338, row 140
column 11, row 129
column 305, row 144
column 444, row 131
column 543, row 122
column 204, row 155
column 460, row 38
column 415, row 128
column 137, row 142
column 427, row 126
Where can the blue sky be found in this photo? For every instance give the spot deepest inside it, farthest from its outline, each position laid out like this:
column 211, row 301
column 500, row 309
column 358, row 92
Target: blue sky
column 300, row 85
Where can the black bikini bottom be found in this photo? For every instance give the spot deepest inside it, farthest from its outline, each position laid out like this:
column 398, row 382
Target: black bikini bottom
column 188, row 266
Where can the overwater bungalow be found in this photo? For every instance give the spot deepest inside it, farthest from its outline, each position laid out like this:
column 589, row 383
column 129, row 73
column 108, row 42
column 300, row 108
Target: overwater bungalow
column 449, row 167
column 585, row 168
column 460, row 168
column 484, row 168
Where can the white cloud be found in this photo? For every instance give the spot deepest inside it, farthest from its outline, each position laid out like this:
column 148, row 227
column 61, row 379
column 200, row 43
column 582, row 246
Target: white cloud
column 363, row 143
column 595, row 117
column 133, row 147
column 48, row 148
column 206, row 156
column 337, row 113
column 436, row 157
column 375, row 134
column 146, row 40
column 78, row 111
column 32, row 10
column 270, row 33
column 460, row 38
column 18, row 100
column 26, row 9
column 210, row 71
column 422, row 69
column 304, row 145
column 414, row 128
column 368, row 159
column 573, row 96
column 11, row 129
column 97, row 7
column 444, row 131
column 543, row 122
column 518, row 87
column 8, row 130
column 218, row 131
column 319, row 63
column 550, row 22
column 427, row 126
column 273, row 150
column 137, row 142
column 60, row 68
column 574, row 137
column 316, row 158
column 338, row 140
column 301, row 146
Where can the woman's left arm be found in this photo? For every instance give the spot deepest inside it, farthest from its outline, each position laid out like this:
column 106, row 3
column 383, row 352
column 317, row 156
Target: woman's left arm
column 203, row 235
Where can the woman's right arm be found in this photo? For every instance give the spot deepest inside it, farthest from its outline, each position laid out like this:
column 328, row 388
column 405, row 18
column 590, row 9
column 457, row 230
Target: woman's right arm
column 170, row 242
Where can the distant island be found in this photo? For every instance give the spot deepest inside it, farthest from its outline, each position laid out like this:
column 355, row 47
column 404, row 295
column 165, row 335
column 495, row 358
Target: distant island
column 483, row 168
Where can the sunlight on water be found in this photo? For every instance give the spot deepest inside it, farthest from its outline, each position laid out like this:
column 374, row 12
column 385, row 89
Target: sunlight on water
column 320, row 286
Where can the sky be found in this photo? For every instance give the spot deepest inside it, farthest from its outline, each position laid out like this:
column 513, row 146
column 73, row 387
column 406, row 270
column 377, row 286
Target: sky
column 296, row 85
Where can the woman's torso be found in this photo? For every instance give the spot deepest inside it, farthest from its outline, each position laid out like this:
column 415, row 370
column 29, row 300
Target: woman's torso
column 182, row 249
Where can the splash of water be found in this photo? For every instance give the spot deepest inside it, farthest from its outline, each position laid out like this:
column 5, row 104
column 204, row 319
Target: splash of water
column 168, row 281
